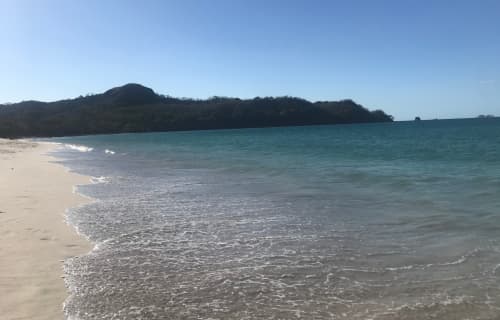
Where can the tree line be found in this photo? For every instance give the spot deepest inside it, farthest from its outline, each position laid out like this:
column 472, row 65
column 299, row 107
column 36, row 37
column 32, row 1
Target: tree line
column 134, row 108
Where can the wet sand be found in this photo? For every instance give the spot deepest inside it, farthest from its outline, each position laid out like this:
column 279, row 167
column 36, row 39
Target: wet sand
column 34, row 237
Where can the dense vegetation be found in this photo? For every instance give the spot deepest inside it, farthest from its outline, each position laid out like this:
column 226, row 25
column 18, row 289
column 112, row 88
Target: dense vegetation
column 134, row 108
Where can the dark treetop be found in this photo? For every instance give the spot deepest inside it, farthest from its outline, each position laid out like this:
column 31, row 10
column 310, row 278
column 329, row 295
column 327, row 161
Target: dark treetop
column 134, row 108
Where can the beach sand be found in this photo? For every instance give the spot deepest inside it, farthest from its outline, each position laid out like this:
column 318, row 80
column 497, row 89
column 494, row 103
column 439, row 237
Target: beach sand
column 34, row 237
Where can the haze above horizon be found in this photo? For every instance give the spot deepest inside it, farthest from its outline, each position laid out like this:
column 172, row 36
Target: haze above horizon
column 433, row 59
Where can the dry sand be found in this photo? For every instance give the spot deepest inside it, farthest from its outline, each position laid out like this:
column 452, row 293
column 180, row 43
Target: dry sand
column 34, row 237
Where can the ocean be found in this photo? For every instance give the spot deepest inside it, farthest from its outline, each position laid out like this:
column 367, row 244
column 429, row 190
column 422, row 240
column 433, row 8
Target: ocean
column 365, row 221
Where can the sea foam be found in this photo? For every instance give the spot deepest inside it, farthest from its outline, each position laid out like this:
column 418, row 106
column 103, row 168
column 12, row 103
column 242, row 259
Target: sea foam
column 100, row 179
column 79, row 147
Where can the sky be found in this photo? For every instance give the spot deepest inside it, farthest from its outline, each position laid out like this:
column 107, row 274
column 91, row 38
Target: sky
column 433, row 59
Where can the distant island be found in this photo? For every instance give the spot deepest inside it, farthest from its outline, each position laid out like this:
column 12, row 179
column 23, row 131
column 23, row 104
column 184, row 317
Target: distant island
column 135, row 108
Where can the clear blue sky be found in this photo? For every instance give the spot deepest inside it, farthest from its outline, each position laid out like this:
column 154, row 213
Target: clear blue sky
column 435, row 59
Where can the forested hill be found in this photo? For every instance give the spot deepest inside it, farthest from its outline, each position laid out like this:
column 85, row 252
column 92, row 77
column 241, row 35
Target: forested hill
column 134, row 108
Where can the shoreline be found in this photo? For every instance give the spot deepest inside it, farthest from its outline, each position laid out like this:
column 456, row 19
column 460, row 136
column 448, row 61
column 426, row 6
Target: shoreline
column 35, row 193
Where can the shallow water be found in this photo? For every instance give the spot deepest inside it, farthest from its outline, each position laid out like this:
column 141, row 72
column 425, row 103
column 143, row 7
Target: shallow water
column 373, row 221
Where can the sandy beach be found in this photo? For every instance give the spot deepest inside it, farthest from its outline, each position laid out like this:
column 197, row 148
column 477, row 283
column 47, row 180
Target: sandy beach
column 35, row 239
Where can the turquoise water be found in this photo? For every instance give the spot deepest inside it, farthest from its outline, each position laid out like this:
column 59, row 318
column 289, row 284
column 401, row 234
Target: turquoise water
column 374, row 221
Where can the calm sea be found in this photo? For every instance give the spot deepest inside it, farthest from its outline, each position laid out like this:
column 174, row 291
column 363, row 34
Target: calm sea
column 373, row 221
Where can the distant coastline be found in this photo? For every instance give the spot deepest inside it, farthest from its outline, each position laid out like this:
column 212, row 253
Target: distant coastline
column 135, row 108
column 486, row 116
